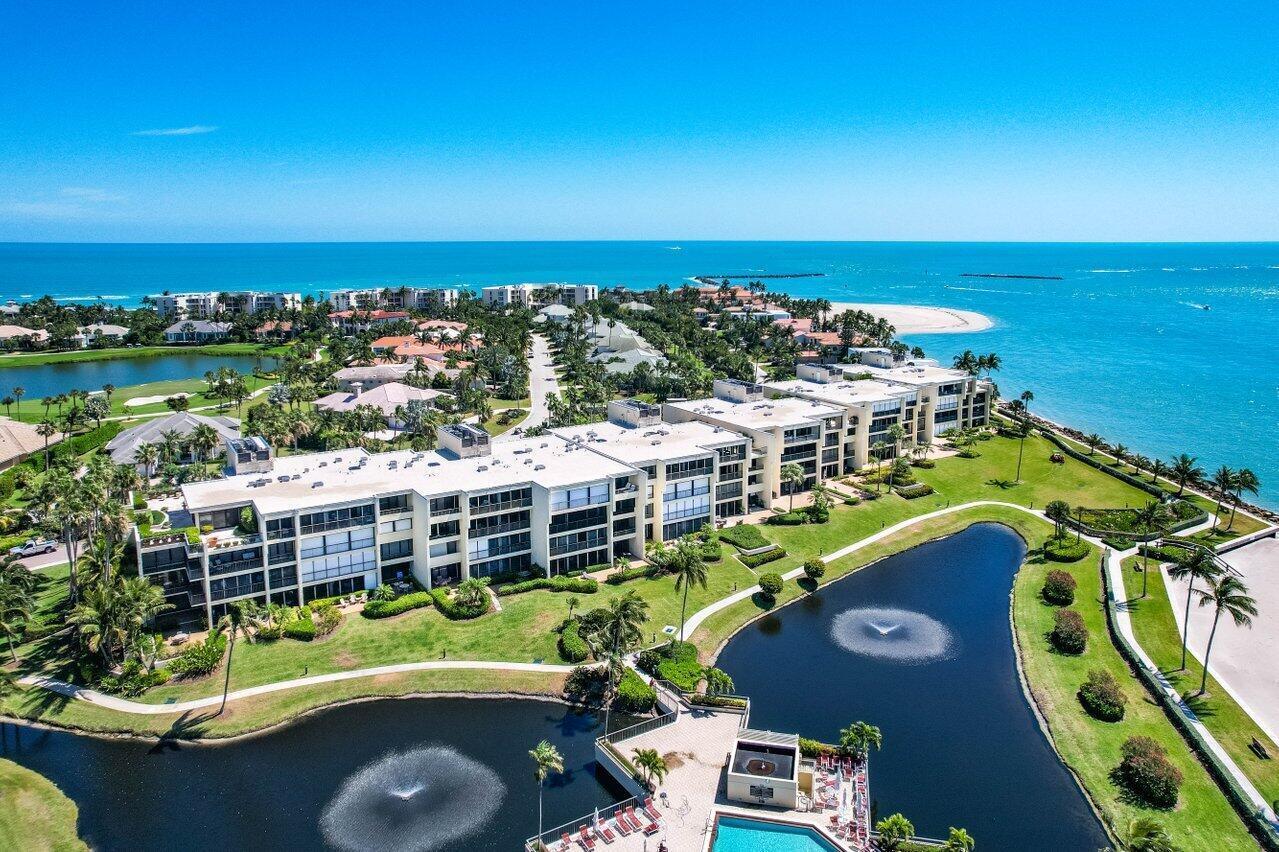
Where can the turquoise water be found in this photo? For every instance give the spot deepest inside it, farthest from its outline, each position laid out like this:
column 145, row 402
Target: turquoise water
column 735, row 834
column 1121, row 345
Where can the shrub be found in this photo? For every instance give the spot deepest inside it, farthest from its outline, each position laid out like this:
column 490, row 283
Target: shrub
column 633, row 694
column 139, row 501
column 454, row 611
column 302, row 629
column 206, row 528
column 402, row 604
column 851, row 501
column 1069, row 634
column 383, row 593
column 1065, row 549
column 576, row 585
column 926, row 464
column 625, row 575
column 199, row 659
column 678, row 664
column 813, row 748
column 770, row 585
column 755, row 560
column 968, row 453
column 329, row 618
column 717, row 701
column 744, row 536
column 814, row 569
column 787, row 519
column 910, row 492
column 1147, row 774
column 134, row 680
column 1059, row 588
column 572, row 646
column 1102, row 697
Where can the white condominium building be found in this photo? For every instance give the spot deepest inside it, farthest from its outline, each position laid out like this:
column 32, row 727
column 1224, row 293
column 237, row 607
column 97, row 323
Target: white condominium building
column 394, row 298
column 694, row 473
column 948, row 398
column 782, row 431
column 208, row 305
column 538, row 295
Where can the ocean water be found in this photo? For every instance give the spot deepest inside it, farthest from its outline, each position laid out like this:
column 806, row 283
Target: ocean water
column 1121, row 345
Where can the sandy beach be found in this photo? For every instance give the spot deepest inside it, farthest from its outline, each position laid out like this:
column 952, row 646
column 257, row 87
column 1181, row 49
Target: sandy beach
column 921, row 319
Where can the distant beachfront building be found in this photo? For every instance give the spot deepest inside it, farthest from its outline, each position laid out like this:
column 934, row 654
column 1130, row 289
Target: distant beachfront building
column 100, row 332
column 394, row 298
column 355, row 321
column 22, row 333
column 197, row 331
column 538, row 295
column 212, row 304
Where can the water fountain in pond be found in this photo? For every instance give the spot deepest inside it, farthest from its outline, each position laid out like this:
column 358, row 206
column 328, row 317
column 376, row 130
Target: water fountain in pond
column 894, row 635
column 423, row 799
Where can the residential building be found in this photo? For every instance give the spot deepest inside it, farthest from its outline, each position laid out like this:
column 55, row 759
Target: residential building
column 22, row 333
column 782, row 431
column 275, row 330
column 948, row 398
column 694, row 473
column 213, row 304
column 388, row 398
column 538, row 295
column 19, row 441
column 123, row 448
column 353, row 321
column 342, row 521
column 197, row 331
column 394, row 298
column 379, row 374
column 102, row 334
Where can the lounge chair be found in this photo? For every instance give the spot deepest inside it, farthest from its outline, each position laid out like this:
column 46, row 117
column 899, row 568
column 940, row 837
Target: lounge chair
column 565, row 841
column 651, row 829
column 634, row 820
column 651, row 810
column 619, row 822
column 604, row 832
column 585, row 839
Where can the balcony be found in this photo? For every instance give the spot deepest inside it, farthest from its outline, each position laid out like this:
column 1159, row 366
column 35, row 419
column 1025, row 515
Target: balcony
column 499, row 550
column 330, row 526
column 234, row 567
column 229, row 538
column 504, row 506
column 495, row 529
column 239, row 591
column 395, row 510
column 276, row 535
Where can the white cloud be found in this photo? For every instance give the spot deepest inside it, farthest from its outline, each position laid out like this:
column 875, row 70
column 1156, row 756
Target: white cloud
column 45, row 209
column 90, row 193
column 193, row 130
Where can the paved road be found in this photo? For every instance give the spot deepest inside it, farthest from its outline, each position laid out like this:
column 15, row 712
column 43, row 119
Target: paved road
column 44, row 560
column 541, row 384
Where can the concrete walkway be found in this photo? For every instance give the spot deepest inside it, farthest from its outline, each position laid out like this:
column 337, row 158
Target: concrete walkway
column 126, row 706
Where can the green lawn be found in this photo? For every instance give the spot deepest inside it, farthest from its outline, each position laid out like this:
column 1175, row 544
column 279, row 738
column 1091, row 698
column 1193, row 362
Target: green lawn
column 34, row 814
column 495, row 427
column 35, row 359
column 1156, row 630
column 34, row 412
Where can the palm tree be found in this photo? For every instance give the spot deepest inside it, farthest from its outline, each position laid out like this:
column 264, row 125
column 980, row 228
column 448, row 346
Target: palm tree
column 1146, row 835
column 1094, row 441
column 546, row 759
column 792, row 475
column 959, row 841
column 46, row 430
column 1245, row 480
column 232, row 624
column 651, row 766
column 1157, row 469
column 1120, row 452
column 689, row 570
column 147, row 455
column 18, row 393
column 1057, row 511
column 1185, row 469
column 859, row 737
column 1224, row 481
column 1198, row 566
column 204, row 439
column 16, row 604
column 617, row 633
column 573, row 602
column 898, row 434
column 1025, row 399
column 1231, row 595
column 1147, row 516
column 108, row 389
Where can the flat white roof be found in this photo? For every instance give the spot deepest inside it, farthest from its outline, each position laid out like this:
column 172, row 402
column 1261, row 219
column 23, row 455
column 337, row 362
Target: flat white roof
column 760, row 414
column 911, row 374
column 860, row 392
column 643, row 444
column 321, row 479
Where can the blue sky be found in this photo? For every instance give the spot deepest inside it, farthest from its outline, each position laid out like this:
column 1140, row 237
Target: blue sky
column 854, row 120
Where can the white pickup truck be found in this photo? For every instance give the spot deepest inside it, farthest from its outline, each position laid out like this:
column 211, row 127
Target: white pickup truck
column 33, row 546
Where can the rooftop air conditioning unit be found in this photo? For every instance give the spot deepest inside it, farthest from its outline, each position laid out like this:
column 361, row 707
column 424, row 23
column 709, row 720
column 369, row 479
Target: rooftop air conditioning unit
column 539, row 467
column 316, row 484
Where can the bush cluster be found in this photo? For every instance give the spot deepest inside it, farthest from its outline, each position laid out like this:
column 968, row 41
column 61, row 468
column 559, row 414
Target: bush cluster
column 134, row 680
column 1147, row 773
column 770, row 585
column 329, row 617
column 1059, row 588
column 675, row 662
column 744, row 536
column 787, row 519
column 814, row 569
column 624, row 575
column 1069, row 634
column 301, row 628
column 404, row 603
column 199, row 659
column 926, row 464
column 454, row 611
column 754, row 560
column 813, row 748
column 1102, row 697
column 1065, row 549
column 139, row 501
column 910, row 492
column 716, row 701
column 572, row 646
column 559, row 583
column 633, row 694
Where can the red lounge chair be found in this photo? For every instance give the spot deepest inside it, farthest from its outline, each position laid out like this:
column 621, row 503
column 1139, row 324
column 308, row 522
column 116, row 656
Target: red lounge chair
column 651, row 829
column 605, row 833
column 585, row 838
column 620, row 823
column 565, row 841
column 651, row 810
column 634, row 820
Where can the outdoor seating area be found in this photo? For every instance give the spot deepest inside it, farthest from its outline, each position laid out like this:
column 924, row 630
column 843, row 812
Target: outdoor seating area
column 627, row 819
column 840, row 786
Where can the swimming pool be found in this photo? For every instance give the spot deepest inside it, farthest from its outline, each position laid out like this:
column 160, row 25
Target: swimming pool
column 738, row 834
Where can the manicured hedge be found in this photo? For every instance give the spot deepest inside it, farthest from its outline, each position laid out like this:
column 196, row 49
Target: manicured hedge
column 716, row 701
column 402, row 604
column 910, row 492
column 744, row 536
column 571, row 645
column 755, row 560
column 454, row 611
column 559, row 583
column 1065, row 549
column 625, row 575
column 302, row 629
column 787, row 519
column 633, row 694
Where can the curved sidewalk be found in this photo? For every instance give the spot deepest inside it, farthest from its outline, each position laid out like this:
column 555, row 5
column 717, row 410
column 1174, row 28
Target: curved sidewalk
column 125, row 706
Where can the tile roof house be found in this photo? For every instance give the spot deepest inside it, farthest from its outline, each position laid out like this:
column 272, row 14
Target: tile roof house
column 19, row 440
column 386, row 398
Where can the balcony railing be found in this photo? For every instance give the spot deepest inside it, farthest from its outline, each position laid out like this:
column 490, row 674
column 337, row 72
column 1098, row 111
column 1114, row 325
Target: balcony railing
column 330, row 526
column 250, row 589
column 395, row 510
column 482, row 532
column 233, row 567
column 504, row 506
column 225, row 540
column 276, row 535
column 573, row 547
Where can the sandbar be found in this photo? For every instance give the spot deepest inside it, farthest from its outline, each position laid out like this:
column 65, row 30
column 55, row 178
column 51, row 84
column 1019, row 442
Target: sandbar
column 922, row 319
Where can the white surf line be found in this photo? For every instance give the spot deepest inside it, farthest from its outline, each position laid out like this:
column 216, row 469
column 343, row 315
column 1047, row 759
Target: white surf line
column 125, row 706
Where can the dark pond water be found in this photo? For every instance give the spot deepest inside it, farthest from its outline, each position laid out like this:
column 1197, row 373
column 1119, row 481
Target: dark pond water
column 50, row 379
column 269, row 792
column 920, row 644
